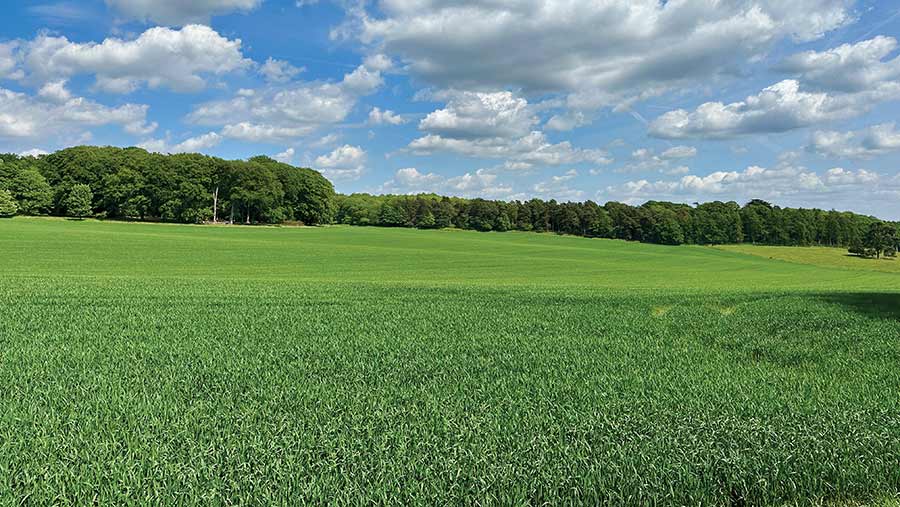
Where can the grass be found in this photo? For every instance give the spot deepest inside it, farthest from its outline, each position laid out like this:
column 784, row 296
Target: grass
column 820, row 256
column 164, row 364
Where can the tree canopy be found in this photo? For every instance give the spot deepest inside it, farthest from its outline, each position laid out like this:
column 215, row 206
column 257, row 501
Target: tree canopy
column 132, row 183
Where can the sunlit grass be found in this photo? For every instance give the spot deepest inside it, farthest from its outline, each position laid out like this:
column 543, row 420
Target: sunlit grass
column 820, row 256
column 155, row 364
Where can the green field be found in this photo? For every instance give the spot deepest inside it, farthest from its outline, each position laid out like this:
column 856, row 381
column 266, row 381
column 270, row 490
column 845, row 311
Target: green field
column 823, row 256
column 166, row 364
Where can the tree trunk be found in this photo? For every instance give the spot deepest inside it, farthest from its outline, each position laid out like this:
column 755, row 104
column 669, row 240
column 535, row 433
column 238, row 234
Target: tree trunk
column 216, row 205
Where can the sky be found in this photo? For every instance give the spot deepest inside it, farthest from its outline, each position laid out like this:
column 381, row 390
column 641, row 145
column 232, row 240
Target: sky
column 688, row 101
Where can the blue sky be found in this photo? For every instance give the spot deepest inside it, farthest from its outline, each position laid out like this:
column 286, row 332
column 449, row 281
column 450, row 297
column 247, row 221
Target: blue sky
column 629, row 100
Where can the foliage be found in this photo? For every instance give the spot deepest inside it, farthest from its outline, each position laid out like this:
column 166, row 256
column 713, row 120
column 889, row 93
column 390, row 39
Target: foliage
column 881, row 237
column 653, row 222
column 134, row 184
column 78, row 202
column 26, row 184
column 8, row 206
column 157, row 364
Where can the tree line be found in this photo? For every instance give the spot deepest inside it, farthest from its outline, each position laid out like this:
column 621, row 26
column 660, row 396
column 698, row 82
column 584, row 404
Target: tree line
column 653, row 222
column 131, row 183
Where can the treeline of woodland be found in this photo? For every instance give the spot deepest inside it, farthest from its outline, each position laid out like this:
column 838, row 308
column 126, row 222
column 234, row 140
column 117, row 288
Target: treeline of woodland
column 131, row 183
column 653, row 222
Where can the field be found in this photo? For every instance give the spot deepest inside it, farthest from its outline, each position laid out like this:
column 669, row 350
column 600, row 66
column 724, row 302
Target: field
column 823, row 256
column 164, row 364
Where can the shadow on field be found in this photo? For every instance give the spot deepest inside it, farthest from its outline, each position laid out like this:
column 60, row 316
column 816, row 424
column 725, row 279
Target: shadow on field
column 873, row 304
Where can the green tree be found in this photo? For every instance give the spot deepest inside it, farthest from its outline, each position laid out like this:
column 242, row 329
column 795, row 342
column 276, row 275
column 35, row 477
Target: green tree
column 32, row 192
column 426, row 221
column 78, row 202
column 391, row 214
column 881, row 237
column 8, row 206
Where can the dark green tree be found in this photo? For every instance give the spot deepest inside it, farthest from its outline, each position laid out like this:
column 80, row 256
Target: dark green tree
column 881, row 237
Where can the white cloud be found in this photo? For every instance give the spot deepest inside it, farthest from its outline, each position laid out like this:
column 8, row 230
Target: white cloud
column 362, row 81
column 25, row 117
column 677, row 152
column 34, row 152
column 286, row 156
column 379, row 62
column 848, row 68
column 191, row 145
column 527, row 152
column 381, row 117
column 179, row 12
column 326, row 140
column 344, row 163
column 471, row 115
column 160, row 57
column 841, row 176
column 277, row 114
column 778, row 108
column 279, row 71
column 257, row 133
column 646, row 160
column 787, row 184
column 556, row 46
column 481, row 183
column 9, row 61
column 557, row 187
column 498, row 126
column 55, row 91
column 838, row 83
column 567, row 121
column 867, row 143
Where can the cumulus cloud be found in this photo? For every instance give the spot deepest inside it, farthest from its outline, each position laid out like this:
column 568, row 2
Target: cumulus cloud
column 191, row 145
column 344, row 163
column 533, row 150
column 557, row 187
column 279, row 71
column 481, row 183
column 382, row 117
column 286, row 156
column 55, row 91
column 867, row 143
column 179, row 12
column 848, row 68
column 567, row 121
column 160, row 57
column 646, row 160
column 786, row 183
column 778, row 108
column 280, row 113
column 34, row 152
column 477, row 115
column 9, row 61
column 841, row 176
column 555, row 45
column 25, row 117
column 496, row 125
column 379, row 62
column 837, row 83
column 256, row 133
